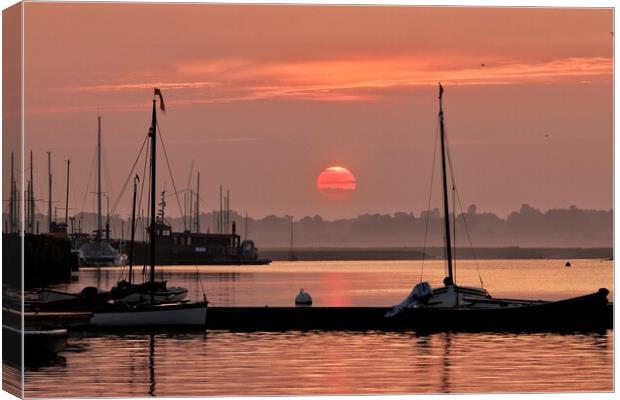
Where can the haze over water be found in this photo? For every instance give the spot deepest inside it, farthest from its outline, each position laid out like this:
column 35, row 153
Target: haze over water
column 289, row 363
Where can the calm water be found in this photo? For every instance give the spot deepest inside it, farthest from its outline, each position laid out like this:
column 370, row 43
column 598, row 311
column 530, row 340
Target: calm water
column 225, row 363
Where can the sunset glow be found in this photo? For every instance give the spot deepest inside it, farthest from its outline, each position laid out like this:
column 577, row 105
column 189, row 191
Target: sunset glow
column 297, row 89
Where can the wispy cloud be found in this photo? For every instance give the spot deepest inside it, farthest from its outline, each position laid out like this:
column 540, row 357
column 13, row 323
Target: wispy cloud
column 333, row 80
column 140, row 86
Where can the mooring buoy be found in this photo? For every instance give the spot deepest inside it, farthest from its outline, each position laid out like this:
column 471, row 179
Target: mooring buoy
column 303, row 298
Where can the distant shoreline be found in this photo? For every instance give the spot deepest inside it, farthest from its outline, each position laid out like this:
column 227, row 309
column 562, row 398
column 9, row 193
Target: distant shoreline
column 414, row 253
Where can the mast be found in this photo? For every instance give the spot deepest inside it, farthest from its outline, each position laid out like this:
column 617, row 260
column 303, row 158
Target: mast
column 227, row 211
column 49, row 190
column 152, row 237
column 450, row 278
column 67, row 198
column 190, row 217
column 291, row 252
column 98, row 178
column 197, row 202
column 107, row 218
column 12, row 198
column 31, row 212
column 220, row 216
column 133, row 226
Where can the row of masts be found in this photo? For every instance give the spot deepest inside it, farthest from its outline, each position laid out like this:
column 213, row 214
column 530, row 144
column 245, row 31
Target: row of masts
column 221, row 218
column 31, row 225
column 222, row 221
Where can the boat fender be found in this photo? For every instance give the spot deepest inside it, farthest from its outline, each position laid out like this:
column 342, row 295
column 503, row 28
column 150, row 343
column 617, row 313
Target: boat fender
column 303, row 298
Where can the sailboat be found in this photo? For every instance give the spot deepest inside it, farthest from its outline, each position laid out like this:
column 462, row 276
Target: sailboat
column 99, row 252
column 463, row 307
column 172, row 314
column 124, row 292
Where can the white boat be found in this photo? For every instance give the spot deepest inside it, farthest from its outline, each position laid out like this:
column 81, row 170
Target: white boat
column 161, row 315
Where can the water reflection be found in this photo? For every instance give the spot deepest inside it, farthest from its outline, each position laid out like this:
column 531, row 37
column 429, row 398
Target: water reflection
column 321, row 363
column 307, row 363
column 357, row 283
column 152, row 365
column 445, row 363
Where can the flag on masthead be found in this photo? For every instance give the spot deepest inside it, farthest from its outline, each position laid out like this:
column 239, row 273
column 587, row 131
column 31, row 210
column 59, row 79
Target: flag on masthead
column 161, row 100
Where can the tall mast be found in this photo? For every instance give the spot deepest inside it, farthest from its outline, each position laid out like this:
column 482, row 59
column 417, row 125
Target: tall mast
column 197, row 202
column 291, row 251
column 31, row 195
column 133, row 226
column 12, row 198
column 49, row 190
column 152, row 237
column 227, row 211
column 220, row 216
column 67, row 197
column 107, row 218
column 99, row 178
column 445, row 190
column 190, row 217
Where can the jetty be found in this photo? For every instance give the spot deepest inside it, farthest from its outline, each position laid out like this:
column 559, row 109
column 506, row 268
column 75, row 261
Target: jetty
column 547, row 318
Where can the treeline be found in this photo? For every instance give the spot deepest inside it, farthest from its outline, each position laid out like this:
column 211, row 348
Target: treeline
column 527, row 227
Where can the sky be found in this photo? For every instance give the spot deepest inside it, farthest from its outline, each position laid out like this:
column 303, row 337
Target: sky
column 261, row 99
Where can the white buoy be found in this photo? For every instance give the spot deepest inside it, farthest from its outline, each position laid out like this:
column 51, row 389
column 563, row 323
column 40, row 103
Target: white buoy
column 303, row 299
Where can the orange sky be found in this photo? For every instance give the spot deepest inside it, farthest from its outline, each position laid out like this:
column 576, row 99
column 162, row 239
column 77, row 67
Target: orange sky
column 263, row 98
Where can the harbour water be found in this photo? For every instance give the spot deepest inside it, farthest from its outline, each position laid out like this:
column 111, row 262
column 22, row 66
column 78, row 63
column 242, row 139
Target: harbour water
column 290, row 363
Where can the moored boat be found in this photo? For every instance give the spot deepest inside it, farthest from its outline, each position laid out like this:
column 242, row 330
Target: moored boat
column 147, row 316
column 147, row 313
column 459, row 307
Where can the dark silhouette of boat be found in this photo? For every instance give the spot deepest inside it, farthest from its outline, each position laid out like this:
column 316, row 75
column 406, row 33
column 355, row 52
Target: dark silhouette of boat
column 98, row 251
column 459, row 307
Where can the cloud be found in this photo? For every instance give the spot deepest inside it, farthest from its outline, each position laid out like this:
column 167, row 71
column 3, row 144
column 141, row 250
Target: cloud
column 332, row 80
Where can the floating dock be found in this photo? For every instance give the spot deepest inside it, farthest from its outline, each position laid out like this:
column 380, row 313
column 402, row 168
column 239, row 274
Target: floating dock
column 568, row 315
column 373, row 318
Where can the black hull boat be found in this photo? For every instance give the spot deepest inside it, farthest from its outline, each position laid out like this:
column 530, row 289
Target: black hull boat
column 589, row 313
column 470, row 308
column 38, row 343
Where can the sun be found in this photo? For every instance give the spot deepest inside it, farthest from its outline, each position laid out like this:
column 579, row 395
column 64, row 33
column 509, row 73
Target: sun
column 336, row 183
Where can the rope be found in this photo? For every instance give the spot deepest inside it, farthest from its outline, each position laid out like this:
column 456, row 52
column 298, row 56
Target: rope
column 471, row 246
column 90, row 174
column 454, row 231
column 171, row 177
column 428, row 207
column 204, row 293
column 462, row 212
column 124, row 187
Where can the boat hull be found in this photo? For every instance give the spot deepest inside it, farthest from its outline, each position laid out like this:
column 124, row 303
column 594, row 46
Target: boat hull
column 165, row 315
column 589, row 313
column 579, row 313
